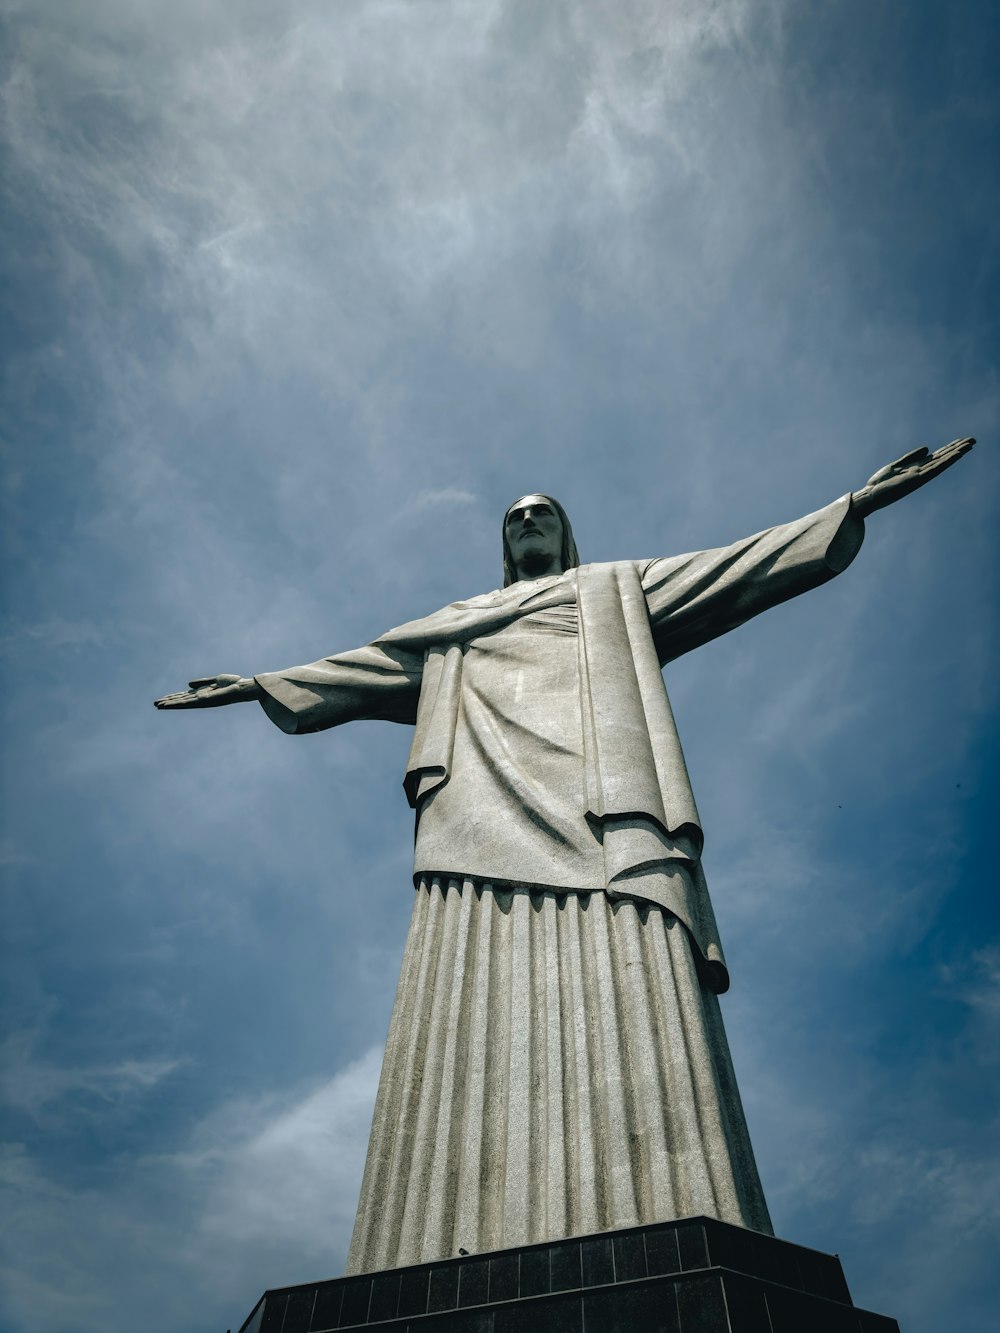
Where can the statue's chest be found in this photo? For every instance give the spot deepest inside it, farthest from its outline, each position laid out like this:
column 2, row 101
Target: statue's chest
column 530, row 672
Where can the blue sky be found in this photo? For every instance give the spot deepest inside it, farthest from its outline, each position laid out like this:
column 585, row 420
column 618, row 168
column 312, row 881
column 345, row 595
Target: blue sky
column 298, row 298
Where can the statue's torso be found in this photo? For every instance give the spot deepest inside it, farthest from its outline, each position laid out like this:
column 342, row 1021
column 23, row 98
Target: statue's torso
column 513, row 807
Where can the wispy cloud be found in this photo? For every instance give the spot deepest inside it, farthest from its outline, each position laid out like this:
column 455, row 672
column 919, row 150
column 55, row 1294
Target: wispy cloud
column 54, row 633
column 30, row 1083
column 257, row 1164
column 448, row 495
column 241, row 1196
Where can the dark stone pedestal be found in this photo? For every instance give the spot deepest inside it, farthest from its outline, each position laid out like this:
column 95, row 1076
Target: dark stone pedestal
column 690, row 1276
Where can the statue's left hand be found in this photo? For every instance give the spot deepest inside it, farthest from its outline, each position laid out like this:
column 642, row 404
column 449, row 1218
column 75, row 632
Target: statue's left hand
column 913, row 470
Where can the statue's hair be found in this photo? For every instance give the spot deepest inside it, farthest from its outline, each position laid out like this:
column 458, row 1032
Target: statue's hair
column 569, row 556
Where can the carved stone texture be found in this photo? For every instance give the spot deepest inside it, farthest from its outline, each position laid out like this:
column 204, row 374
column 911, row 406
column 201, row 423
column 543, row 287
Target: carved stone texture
column 554, row 1066
column 556, row 1060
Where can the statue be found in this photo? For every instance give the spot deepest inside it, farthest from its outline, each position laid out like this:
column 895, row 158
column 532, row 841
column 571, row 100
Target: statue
column 556, row 1062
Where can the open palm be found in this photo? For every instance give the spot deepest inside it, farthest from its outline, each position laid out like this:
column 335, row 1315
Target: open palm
column 906, row 474
column 211, row 692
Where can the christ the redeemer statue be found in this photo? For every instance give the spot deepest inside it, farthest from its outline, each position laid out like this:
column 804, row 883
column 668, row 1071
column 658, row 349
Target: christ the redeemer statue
column 556, row 1062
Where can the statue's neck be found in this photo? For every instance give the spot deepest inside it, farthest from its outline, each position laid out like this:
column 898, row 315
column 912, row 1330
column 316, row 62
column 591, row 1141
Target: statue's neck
column 529, row 571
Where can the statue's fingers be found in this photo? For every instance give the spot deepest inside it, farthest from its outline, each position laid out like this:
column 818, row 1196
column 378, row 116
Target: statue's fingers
column 938, row 464
column 959, row 447
column 202, row 682
column 948, row 454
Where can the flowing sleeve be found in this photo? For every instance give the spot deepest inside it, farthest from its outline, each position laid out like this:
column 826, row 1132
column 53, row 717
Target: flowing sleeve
column 379, row 682
column 694, row 598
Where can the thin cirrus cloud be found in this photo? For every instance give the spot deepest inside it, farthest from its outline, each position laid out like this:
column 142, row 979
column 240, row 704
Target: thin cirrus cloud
column 302, row 298
column 32, row 1085
column 213, row 1203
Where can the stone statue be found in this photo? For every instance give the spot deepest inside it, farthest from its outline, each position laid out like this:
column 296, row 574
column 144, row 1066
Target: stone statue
column 556, row 1062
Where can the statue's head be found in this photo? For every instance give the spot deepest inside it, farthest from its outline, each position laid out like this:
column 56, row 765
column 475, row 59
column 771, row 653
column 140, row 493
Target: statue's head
column 536, row 532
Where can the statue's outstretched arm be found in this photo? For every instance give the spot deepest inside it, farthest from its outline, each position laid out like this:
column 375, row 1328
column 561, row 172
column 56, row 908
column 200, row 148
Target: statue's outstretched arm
column 213, row 692
column 907, row 474
column 377, row 682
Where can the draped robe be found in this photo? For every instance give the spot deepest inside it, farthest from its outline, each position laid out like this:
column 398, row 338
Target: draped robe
column 556, row 1061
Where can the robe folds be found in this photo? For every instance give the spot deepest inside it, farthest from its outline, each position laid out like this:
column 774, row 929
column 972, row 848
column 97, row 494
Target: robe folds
column 547, row 778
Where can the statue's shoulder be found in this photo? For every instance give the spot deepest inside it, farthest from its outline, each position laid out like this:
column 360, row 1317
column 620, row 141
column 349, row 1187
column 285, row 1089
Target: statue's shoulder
column 616, row 570
column 600, row 566
column 482, row 599
column 517, row 593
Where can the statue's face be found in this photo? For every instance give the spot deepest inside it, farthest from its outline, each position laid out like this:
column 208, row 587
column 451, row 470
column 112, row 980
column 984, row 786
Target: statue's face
column 534, row 531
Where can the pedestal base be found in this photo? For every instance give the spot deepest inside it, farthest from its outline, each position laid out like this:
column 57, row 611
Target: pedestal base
column 691, row 1276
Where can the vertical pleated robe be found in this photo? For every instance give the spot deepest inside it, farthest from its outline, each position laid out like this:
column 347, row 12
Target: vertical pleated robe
column 556, row 1061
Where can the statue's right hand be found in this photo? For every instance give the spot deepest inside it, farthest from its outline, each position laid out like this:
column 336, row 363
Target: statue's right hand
column 212, row 692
